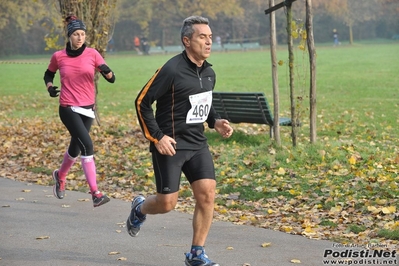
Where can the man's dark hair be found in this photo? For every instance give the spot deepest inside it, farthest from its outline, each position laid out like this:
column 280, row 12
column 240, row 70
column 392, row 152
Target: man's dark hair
column 187, row 29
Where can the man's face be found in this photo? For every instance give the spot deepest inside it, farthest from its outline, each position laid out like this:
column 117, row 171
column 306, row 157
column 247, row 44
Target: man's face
column 199, row 46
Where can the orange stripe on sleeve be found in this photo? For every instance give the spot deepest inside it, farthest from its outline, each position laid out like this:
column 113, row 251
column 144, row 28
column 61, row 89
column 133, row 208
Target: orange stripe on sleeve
column 139, row 100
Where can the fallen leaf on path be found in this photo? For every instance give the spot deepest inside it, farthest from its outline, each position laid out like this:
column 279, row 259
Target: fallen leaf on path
column 83, row 200
column 42, row 237
column 266, row 244
column 114, row 253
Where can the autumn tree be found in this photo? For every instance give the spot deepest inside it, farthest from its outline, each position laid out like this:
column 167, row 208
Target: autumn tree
column 169, row 14
column 351, row 12
column 26, row 14
column 16, row 19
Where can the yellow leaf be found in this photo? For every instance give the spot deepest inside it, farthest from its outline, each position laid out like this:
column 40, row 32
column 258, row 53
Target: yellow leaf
column 229, row 248
column 287, row 229
column 388, row 210
column 352, row 160
column 281, row 62
column 381, row 201
column 270, row 211
column 373, row 209
column 223, row 211
column 266, row 244
column 114, row 253
column 295, row 261
column 336, row 209
column 309, row 229
column 151, row 174
column 83, row 199
column 149, row 182
column 243, row 218
column 122, row 258
column 281, row 171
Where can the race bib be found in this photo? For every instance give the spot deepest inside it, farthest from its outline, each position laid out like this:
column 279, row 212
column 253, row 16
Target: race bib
column 200, row 106
column 83, row 111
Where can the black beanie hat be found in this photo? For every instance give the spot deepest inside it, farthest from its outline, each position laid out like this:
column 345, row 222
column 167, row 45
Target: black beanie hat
column 74, row 25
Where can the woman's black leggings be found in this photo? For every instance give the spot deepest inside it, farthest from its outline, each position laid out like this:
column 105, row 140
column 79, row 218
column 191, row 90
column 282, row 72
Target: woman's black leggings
column 79, row 127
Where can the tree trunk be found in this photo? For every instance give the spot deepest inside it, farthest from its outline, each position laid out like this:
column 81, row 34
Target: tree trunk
column 291, row 74
column 350, row 34
column 312, row 61
column 276, row 95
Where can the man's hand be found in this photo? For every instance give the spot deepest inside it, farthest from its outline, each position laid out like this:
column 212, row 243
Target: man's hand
column 52, row 90
column 166, row 146
column 222, row 126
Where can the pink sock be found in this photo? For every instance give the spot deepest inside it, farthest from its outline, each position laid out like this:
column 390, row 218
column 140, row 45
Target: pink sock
column 66, row 166
column 89, row 168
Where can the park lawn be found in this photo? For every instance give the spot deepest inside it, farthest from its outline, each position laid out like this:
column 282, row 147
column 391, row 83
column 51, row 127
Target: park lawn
column 343, row 188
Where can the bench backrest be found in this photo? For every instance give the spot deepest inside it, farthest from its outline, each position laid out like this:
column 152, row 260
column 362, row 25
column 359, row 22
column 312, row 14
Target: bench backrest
column 232, row 46
column 243, row 107
column 156, row 50
column 173, row 49
column 251, row 45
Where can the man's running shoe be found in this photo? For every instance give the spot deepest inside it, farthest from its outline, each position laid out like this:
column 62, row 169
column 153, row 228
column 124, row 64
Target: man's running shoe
column 99, row 198
column 59, row 186
column 133, row 223
column 199, row 259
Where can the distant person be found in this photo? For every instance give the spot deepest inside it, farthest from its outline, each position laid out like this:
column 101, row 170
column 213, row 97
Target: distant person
column 137, row 43
column 77, row 65
column 110, row 46
column 182, row 89
column 228, row 37
column 335, row 37
column 145, row 45
column 218, row 40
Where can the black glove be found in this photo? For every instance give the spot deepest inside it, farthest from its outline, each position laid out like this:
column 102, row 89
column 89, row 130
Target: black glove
column 52, row 90
column 104, row 69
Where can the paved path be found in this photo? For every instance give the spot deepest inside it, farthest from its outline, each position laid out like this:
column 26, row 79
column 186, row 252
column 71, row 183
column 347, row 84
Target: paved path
column 80, row 235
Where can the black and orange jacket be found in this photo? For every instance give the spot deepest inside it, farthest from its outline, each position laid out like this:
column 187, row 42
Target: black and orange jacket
column 170, row 87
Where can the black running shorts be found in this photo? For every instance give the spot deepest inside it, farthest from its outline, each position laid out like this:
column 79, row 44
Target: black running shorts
column 195, row 165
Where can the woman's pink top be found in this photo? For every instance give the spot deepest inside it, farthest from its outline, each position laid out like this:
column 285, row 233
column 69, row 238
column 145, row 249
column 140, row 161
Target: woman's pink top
column 77, row 76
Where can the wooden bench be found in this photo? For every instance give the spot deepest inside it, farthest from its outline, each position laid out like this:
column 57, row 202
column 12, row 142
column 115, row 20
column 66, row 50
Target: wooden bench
column 251, row 46
column 156, row 50
column 217, row 47
column 173, row 49
column 232, row 47
column 242, row 107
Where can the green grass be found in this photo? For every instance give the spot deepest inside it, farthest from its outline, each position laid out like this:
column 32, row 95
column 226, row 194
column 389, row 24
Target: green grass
column 347, row 79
